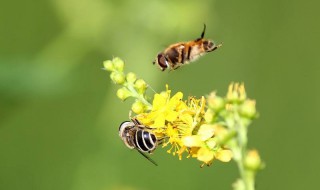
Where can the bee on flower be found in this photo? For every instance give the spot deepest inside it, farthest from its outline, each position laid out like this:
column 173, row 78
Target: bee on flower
column 206, row 128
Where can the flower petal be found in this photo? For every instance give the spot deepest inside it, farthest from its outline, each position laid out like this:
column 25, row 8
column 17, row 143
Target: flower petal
column 171, row 115
column 186, row 118
column 158, row 102
column 192, row 141
column 211, row 143
column 206, row 131
column 159, row 121
column 205, row 155
column 175, row 100
column 224, row 155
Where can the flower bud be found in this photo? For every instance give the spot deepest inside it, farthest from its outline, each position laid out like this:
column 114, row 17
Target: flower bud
column 252, row 160
column 108, row 65
column 118, row 64
column 131, row 77
column 215, row 102
column 140, row 85
column 138, row 107
column 248, row 108
column 123, row 93
column 117, row 77
column 236, row 92
column 239, row 185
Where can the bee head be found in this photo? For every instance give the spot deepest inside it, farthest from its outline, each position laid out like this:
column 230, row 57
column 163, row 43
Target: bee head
column 124, row 130
column 210, row 46
column 161, row 61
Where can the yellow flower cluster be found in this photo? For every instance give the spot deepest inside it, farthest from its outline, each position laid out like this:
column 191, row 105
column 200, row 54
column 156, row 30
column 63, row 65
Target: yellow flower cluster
column 182, row 125
column 207, row 128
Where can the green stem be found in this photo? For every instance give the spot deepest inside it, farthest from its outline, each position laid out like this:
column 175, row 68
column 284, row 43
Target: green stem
column 240, row 151
column 137, row 95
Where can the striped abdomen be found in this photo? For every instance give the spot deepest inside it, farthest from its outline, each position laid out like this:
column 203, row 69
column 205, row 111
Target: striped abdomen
column 145, row 141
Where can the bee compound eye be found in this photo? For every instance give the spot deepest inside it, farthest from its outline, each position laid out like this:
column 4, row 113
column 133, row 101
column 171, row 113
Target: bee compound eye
column 124, row 125
column 162, row 61
column 208, row 45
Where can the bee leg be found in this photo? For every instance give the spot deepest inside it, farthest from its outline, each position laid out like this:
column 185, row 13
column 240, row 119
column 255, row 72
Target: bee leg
column 176, row 67
column 147, row 157
column 215, row 47
column 160, row 141
column 136, row 122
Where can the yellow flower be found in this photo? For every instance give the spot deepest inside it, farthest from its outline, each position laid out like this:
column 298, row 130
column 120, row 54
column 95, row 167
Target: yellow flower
column 172, row 118
column 164, row 109
column 205, row 147
column 182, row 125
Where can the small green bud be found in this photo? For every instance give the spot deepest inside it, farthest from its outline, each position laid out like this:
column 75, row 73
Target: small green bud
column 123, row 93
column 138, row 107
column 140, row 85
column 239, row 185
column 117, row 77
column 215, row 102
column 252, row 160
column 248, row 108
column 118, row 64
column 131, row 77
column 108, row 65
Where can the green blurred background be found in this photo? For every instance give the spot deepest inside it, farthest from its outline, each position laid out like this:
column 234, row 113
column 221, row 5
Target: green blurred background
column 59, row 114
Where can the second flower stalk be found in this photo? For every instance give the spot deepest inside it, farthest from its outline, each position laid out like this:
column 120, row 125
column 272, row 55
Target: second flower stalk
column 131, row 86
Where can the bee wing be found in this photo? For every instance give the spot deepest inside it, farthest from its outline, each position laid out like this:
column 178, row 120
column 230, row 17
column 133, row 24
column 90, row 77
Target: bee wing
column 147, row 157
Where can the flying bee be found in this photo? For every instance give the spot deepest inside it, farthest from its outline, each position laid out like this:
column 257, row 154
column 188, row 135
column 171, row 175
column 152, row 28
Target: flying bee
column 182, row 53
column 139, row 137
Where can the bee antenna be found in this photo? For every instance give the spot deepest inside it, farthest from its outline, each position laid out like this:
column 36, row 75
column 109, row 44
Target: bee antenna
column 204, row 30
